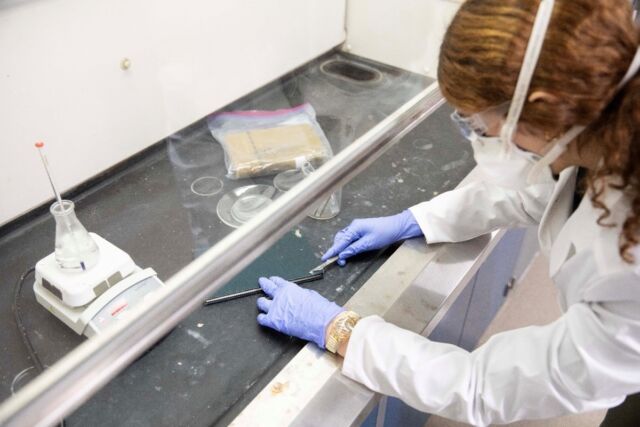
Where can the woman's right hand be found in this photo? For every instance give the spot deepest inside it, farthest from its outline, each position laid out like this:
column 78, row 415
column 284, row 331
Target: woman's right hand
column 372, row 233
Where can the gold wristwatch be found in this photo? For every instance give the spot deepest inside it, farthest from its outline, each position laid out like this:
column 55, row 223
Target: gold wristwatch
column 340, row 330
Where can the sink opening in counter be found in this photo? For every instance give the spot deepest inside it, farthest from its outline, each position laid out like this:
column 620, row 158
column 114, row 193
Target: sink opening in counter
column 350, row 71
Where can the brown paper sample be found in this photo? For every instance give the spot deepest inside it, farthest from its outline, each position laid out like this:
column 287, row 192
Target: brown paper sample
column 268, row 151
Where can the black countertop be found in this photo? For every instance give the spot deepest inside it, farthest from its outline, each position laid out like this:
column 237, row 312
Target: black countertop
column 212, row 364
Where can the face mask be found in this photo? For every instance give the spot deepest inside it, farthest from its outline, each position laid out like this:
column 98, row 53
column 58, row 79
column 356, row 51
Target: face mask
column 506, row 168
column 509, row 169
column 499, row 159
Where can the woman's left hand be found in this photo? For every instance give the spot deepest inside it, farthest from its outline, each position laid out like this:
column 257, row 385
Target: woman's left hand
column 295, row 311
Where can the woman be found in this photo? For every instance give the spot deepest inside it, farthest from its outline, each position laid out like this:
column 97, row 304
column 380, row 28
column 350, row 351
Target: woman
column 541, row 91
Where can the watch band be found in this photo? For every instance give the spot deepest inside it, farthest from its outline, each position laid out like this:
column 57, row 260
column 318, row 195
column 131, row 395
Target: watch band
column 340, row 330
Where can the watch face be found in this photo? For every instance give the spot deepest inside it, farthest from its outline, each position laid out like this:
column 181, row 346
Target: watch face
column 341, row 330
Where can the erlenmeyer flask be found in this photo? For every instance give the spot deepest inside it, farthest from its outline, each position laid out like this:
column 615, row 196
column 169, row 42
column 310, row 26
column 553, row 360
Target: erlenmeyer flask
column 75, row 249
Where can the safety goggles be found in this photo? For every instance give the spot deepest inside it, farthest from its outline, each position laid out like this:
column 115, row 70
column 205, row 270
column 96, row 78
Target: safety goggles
column 478, row 124
column 469, row 125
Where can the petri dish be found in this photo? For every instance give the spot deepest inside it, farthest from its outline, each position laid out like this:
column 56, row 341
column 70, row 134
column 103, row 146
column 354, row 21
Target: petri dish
column 206, row 186
column 286, row 180
column 241, row 204
column 247, row 207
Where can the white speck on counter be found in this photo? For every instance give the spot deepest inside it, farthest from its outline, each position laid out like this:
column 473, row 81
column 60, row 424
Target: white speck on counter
column 298, row 233
column 196, row 371
column 435, row 193
column 179, row 363
column 400, row 180
column 340, row 289
column 202, row 340
column 200, row 325
column 453, row 165
column 158, row 388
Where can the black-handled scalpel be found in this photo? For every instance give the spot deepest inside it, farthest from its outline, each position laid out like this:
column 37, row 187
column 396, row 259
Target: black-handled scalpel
column 298, row 281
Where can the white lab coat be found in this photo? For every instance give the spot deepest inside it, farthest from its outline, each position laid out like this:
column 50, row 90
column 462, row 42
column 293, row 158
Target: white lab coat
column 588, row 359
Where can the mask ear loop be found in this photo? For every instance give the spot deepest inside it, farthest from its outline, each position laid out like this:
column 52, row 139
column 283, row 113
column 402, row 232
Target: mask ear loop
column 559, row 146
column 631, row 72
column 532, row 53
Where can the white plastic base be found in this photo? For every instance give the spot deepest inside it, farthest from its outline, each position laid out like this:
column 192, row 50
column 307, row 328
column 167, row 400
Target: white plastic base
column 112, row 306
column 78, row 288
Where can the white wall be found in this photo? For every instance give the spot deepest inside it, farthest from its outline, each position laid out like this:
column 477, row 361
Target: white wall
column 61, row 80
column 404, row 33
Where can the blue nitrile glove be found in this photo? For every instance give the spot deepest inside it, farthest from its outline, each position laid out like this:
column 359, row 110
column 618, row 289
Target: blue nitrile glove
column 295, row 311
column 372, row 233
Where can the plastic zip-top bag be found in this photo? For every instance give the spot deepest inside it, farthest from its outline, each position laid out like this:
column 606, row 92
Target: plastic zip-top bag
column 258, row 143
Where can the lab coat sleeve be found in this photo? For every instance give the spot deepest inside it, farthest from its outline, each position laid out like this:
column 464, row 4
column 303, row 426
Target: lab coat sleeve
column 586, row 360
column 478, row 208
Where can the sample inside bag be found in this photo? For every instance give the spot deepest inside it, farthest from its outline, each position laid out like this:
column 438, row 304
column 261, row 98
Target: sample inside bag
column 258, row 143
